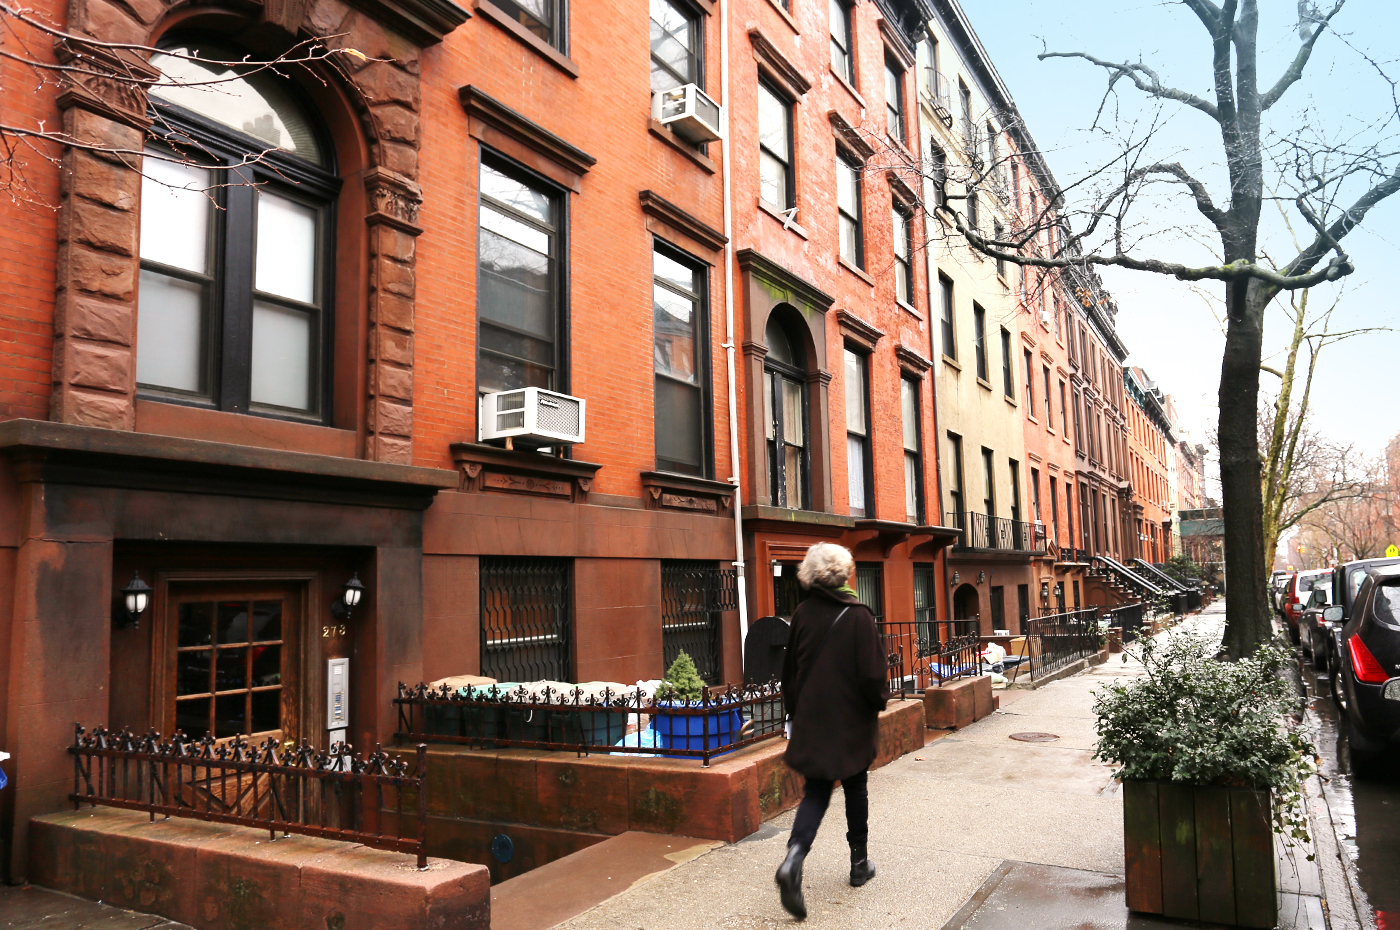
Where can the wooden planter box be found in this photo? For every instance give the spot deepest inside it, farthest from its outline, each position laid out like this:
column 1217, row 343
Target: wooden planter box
column 1200, row 853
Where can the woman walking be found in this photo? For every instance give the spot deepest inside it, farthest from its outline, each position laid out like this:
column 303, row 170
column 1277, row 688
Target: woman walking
column 834, row 687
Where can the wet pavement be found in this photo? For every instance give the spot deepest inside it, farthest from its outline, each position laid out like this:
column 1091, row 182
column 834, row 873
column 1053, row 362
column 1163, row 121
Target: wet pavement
column 1365, row 811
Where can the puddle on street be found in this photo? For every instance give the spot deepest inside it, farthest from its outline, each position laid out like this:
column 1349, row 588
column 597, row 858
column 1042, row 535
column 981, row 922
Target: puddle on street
column 1366, row 810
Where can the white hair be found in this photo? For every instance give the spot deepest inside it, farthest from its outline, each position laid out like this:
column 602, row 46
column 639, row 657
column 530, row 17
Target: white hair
column 826, row 564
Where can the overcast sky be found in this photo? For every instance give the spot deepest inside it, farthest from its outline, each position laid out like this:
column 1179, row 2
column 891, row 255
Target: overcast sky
column 1172, row 332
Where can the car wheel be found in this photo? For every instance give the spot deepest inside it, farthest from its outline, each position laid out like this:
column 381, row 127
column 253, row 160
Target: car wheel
column 1339, row 695
column 1307, row 642
column 1365, row 757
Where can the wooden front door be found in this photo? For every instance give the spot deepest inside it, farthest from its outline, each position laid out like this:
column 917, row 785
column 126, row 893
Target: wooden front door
column 230, row 661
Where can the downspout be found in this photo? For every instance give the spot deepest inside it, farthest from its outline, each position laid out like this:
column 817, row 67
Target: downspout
column 739, row 581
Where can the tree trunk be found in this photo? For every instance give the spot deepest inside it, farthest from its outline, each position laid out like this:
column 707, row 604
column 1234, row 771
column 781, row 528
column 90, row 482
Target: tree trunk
column 1248, row 619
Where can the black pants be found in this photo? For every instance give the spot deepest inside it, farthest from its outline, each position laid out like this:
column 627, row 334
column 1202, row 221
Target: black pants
column 815, row 798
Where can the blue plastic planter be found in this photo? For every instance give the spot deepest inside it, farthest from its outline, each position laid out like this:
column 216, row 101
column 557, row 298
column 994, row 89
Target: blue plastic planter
column 688, row 732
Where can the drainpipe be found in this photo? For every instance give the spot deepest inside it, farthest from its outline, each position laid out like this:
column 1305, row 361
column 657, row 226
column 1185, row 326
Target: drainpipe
column 729, row 335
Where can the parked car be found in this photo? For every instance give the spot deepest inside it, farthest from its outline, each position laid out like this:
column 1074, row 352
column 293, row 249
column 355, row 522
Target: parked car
column 1278, row 581
column 1346, row 582
column 1369, row 676
column 1312, row 632
column 1295, row 597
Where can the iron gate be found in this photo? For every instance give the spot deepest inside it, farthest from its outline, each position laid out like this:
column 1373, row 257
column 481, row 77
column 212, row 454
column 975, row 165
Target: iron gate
column 526, row 619
column 693, row 595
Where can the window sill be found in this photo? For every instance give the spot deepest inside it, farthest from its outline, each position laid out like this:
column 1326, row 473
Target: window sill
column 1010, row 401
column 185, row 422
column 909, row 309
column 531, row 41
column 777, row 214
column 951, row 362
column 984, row 384
column 1033, row 419
column 899, row 146
column 855, row 271
column 849, row 89
column 787, row 17
column 658, row 129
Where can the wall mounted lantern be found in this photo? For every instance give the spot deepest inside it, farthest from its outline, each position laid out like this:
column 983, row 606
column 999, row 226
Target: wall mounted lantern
column 957, row 579
column 136, row 597
column 981, row 577
column 350, row 599
column 777, row 568
column 1045, row 592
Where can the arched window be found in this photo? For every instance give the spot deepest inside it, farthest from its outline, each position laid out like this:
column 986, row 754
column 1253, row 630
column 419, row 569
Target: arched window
column 237, row 203
column 785, row 406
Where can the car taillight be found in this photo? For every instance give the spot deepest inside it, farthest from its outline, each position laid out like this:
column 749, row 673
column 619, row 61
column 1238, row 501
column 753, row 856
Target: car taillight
column 1368, row 670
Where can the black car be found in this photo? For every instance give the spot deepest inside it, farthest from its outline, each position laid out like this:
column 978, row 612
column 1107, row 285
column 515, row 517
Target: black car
column 1368, row 681
column 1346, row 584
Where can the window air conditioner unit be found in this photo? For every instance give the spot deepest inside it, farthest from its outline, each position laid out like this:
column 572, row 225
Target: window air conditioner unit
column 688, row 112
column 1045, row 318
column 531, row 417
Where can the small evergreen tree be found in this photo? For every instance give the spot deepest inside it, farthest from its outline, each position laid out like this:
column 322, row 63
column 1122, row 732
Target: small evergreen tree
column 683, row 682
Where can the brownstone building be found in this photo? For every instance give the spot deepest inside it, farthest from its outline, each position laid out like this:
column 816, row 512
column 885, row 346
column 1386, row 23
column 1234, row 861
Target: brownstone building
column 253, row 368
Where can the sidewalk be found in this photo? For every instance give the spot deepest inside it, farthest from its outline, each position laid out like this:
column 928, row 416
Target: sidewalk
column 977, row 831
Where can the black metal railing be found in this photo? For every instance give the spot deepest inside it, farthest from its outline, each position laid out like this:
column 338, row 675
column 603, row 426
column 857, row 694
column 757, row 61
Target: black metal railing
column 921, row 655
column 982, row 531
column 1051, row 643
column 335, row 795
column 693, row 595
column 526, row 619
column 589, row 721
column 1127, row 618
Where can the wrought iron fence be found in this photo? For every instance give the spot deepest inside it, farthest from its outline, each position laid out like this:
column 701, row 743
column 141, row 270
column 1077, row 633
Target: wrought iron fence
column 920, row 655
column 982, row 531
column 1127, row 618
column 693, row 595
column 592, row 721
column 526, row 619
column 335, row 795
column 1051, row 643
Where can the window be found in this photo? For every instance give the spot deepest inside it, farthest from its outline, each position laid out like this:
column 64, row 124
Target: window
column 542, row 18
column 1035, row 494
column 903, row 256
column 858, row 434
column 1016, row 185
column 973, row 216
column 1049, row 401
column 870, row 587
column 775, row 179
column 785, row 408
column 993, row 157
column 1064, row 419
column 989, row 500
column 979, row 339
column 1006, row 381
column 938, row 172
column 913, row 465
column 848, row 210
column 1078, row 426
column 230, row 660
column 1001, row 262
column 1030, row 383
column 1055, row 298
column 236, row 272
column 680, row 351
column 1054, row 514
column 693, row 597
column 955, row 488
column 998, row 595
column 965, row 98
column 925, row 595
column 945, row 316
column 526, row 619
column 842, row 61
column 518, row 295
column 1069, row 509
column 1014, row 469
column 1023, row 603
column 675, row 46
column 894, row 100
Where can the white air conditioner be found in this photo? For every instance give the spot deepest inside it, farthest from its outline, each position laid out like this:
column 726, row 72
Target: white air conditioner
column 531, row 417
column 688, row 112
column 1045, row 318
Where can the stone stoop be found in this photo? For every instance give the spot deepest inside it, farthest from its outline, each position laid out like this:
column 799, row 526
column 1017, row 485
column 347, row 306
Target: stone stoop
column 956, row 704
column 218, row 877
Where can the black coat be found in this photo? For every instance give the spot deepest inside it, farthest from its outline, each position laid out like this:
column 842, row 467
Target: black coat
column 835, row 701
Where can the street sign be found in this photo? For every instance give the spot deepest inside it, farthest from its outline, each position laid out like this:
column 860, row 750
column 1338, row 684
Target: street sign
column 1391, row 551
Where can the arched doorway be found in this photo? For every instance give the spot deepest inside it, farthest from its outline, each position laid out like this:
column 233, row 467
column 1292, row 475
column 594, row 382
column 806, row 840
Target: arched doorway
column 967, row 608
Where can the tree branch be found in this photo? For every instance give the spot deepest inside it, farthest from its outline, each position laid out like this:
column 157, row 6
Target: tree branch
column 1294, row 71
column 1134, row 72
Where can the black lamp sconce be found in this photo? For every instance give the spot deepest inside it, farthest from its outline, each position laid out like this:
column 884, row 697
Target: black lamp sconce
column 136, row 597
column 349, row 599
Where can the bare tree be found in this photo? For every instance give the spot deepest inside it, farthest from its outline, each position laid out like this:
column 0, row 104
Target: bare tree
column 1360, row 526
column 1111, row 217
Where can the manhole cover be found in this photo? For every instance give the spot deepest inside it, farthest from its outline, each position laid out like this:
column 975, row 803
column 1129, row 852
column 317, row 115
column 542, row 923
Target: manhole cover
column 1035, row 737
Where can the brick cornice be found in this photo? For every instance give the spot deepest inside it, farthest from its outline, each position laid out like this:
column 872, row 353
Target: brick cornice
column 768, row 55
column 487, row 109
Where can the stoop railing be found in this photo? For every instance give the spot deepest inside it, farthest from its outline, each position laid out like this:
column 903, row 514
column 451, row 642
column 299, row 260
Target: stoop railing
column 1050, row 643
column 335, row 795
column 923, row 654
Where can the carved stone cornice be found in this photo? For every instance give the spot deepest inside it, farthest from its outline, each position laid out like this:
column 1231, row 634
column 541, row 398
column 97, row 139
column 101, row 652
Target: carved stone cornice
column 849, row 137
column 770, row 272
column 492, row 469
column 658, row 207
column 482, row 107
column 768, row 55
column 667, row 491
column 394, row 200
column 108, row 82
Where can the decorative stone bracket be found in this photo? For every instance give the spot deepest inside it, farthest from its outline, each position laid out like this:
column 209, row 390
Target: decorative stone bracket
column 666, row 491
column 486, row 468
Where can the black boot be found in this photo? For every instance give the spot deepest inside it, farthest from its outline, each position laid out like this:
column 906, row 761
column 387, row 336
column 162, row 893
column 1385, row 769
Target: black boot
column 862, row 869
column 789, row 879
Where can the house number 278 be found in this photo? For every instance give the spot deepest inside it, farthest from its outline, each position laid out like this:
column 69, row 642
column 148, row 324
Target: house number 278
column 335, row 629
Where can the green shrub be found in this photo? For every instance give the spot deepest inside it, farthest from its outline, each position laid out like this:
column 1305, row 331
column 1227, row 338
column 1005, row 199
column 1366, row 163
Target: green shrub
column 683, row 682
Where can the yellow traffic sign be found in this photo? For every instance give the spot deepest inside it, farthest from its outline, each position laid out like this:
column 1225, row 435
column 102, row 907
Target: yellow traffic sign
column 1391, row 551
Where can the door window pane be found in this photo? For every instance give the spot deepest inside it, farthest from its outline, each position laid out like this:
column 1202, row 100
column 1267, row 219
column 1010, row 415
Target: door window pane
column 286, row 262
column 282, row 360
column 175, row 207
column 792, row 412
column 170, row 333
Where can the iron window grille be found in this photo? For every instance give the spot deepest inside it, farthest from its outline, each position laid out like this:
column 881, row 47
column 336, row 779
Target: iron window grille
column 527, row 619
column 925, row 601
column 693, row 596
column 870, row 588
